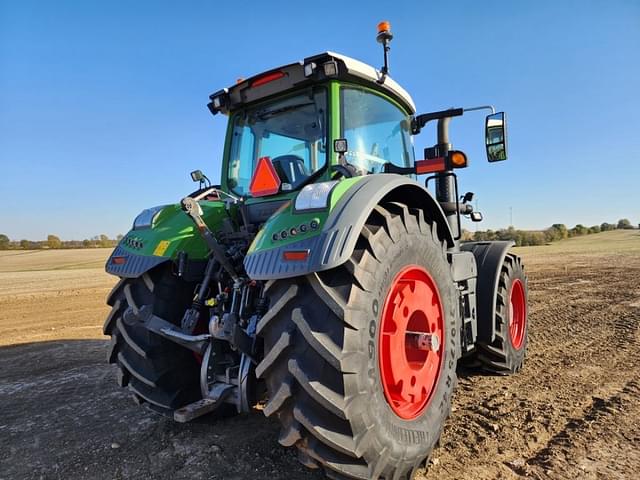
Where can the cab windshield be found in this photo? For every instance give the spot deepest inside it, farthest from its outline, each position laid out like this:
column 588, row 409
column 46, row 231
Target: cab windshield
column 290, row 131
column 377, row 131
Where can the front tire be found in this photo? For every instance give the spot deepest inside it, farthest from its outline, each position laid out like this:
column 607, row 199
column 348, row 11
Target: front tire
column 156, row 370
column 334, row 383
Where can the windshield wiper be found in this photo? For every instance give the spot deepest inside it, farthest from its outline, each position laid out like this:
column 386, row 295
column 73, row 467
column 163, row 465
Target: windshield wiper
column 270, row 113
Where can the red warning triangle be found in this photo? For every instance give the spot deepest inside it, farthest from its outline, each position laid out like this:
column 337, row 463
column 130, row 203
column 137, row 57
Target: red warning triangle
column 265, row 180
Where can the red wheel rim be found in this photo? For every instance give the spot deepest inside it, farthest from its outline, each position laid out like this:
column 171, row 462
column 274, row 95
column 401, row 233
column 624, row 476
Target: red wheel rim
column 517, row 314
column 409, row 372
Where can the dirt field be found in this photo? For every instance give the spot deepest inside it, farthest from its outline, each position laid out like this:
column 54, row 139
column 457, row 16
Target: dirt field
column 573, row 412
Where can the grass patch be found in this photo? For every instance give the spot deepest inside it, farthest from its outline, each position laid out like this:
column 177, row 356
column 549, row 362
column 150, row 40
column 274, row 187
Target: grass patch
column 618, row 242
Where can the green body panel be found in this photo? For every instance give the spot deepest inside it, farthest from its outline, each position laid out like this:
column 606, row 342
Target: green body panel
column 172, row 225
column 334, row 119
column 340, row 189
column 287, row 218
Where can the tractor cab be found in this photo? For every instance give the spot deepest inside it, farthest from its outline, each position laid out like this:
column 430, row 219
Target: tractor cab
column 330, row 117
column 284, row 125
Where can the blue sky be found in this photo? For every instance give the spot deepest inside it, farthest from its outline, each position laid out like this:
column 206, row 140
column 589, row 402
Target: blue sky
column 103, row 104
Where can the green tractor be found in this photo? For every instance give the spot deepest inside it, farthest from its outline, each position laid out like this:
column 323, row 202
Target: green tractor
column 320, row 282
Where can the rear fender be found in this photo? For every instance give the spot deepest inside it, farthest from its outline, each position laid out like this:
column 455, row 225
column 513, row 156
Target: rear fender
column 341, row 228
column 489, row 258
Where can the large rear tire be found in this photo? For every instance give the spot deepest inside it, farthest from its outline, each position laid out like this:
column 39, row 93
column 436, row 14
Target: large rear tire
column 505, row 355
column 329, row 356
column 156, row 370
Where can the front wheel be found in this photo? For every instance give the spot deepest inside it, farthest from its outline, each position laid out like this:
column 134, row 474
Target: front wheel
column 360, row 361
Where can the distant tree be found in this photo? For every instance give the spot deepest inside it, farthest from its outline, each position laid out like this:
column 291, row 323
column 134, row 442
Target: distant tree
column 578, row 230
column 25, row 244
column 86, row 243
column 466, row 236
column 605, row 227
column 594, row 229
column 484, row 236
column 4, row 242
column 507, row 234
column 559, row 231
column 624, row 223
column 120, row 236
column 534, row 238
column 549, row 235
column 53, row 241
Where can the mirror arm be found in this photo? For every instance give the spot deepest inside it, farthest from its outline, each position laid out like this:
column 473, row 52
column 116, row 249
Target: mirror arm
column 482, row 107
column 421, row 120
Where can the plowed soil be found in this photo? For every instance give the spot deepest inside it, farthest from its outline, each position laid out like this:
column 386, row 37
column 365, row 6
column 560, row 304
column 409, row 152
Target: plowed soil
column 573, row 412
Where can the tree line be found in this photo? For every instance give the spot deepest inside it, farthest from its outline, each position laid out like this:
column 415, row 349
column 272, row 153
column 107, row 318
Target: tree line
column 557, row 231
column 54, row 242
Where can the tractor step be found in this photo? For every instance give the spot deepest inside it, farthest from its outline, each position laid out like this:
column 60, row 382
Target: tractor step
column 204, row 406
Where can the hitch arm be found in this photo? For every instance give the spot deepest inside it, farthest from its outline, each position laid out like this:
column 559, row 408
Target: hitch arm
column 193, row 209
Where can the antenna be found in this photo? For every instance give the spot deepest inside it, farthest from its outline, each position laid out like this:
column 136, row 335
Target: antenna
column 384, row 37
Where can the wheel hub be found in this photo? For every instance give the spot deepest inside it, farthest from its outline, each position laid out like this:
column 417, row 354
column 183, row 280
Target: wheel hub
column 410, row 342
column 517, row 314
column 429, row 342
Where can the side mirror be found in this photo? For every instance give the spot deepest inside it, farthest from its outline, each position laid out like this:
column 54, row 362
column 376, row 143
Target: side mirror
column 197, row 176
column 495, row 133
column 475, row 216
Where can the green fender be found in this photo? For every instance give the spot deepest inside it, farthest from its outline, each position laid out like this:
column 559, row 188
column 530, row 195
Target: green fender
column 339, row 226
column 172, row 232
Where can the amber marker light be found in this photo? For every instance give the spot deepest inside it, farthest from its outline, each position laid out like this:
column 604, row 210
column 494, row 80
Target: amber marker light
column 384, row 26
column 457, row 159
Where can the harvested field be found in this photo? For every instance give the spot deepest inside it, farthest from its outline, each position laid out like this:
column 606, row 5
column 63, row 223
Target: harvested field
column 572, row 412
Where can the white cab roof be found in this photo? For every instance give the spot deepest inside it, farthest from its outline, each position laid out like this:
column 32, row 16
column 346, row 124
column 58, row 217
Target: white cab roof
column 362, row 69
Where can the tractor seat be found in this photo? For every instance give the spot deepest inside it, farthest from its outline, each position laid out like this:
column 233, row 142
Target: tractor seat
column 291, row 169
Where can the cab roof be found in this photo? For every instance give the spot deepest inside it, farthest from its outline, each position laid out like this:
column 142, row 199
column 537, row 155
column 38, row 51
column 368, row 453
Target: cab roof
column 311, row 70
